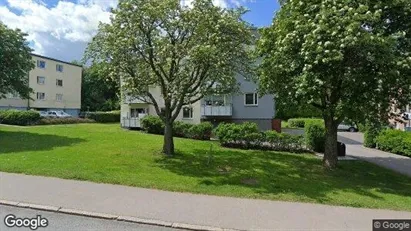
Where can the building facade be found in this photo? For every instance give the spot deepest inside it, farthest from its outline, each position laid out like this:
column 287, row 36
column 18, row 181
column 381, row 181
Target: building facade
column 244, row 106
column 399, row 120
column 56, row 86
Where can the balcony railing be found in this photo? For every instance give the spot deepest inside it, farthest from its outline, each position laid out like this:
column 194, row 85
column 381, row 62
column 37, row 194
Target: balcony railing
column 133, row 122
column 209, row 110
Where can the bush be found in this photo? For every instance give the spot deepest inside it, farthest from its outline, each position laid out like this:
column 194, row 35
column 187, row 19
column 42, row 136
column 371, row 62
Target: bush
column 315, row 136
column 200, row 131
column 104, row 117
column 284, row 142
column 51, row 121
column 236, row 135
column 394, row 141
column 181, row 129
column 300, row 122
column 22, row 118
column 152, row 125
column 371, row 132
column 247, row 136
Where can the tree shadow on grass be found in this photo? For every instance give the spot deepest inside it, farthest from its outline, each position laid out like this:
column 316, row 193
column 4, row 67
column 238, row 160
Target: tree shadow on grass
column 20, row 141
column 269, row 174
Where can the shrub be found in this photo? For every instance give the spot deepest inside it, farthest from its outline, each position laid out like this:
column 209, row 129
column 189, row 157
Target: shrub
column 394, row 141
column 315, row 136
column 50, row 121
column 284, row 142
column 152, row 124
column 371, row 132
column 300, row 122
column 181, row 129
column 236, row 135
column 201, row 131
column 22, row 118
column 247, row 136
column 104, row 117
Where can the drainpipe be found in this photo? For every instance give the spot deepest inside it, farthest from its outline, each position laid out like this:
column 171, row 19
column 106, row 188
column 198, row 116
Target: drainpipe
column 28, row 84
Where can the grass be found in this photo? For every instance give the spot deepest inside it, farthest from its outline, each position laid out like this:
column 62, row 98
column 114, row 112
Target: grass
column 106, row 153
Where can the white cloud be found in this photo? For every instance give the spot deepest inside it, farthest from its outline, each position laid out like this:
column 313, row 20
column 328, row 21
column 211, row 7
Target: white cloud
column 63, row 30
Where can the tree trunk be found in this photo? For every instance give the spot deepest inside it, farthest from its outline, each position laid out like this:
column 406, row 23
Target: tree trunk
column 330, row 155
column 168, row 146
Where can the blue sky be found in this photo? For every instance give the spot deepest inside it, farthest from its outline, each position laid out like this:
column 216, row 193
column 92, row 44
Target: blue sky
column 62, row 28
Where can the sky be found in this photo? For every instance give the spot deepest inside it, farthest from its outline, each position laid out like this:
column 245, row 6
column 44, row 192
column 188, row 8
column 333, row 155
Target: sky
column 61, row 29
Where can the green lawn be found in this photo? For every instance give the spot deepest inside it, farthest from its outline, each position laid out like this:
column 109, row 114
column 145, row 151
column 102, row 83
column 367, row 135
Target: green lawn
column 106, row 153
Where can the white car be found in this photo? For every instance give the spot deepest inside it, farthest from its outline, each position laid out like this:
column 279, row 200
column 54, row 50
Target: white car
column 57, row 114
column 347, row 127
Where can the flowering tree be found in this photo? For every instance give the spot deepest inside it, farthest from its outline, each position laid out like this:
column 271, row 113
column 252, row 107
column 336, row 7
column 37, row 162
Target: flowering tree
column 350, row 59
column 185, row 51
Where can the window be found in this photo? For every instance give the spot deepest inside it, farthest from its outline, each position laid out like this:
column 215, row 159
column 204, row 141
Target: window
column 41, row 80
column 136, row 111
column 59, row 82
column 41, row 95
column 59, row 97
column 59, row 68
column 41, row 64
column 187, row 113
column 251, row 99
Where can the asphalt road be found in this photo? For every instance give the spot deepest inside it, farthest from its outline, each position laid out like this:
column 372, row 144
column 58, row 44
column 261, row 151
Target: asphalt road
column 59, row 221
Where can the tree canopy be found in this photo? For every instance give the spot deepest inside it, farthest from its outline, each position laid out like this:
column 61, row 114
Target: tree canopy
column 184, row 51
column 350, row 59
column 99, row 93
column 15, row 62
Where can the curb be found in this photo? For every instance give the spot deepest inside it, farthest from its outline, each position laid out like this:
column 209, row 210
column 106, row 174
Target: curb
column 112, row 217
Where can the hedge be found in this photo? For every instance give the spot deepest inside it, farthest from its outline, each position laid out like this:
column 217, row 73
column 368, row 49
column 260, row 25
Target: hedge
column 71, row 120
column 315, row 136
column 154, row 125
column 200, row 131
column 394, row 141
column 22, row 118
column 181, row 129
column 247, row 136
column 104, row 117
column 300, row 122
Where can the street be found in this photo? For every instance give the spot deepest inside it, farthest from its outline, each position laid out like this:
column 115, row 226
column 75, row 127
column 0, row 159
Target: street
column 59, row 221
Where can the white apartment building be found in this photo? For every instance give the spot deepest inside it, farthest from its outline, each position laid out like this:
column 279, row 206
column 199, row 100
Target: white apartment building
column 244, row 106
column 56, row 85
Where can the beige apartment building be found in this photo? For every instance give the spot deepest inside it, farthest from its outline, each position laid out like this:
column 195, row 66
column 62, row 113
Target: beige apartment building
column 398, row 121
column 56, row 86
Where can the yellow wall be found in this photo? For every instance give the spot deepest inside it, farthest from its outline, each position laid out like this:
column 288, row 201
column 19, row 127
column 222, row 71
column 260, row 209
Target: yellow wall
column 71, row 89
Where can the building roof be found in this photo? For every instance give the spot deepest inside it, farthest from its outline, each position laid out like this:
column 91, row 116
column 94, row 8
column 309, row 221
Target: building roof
column 57, row 60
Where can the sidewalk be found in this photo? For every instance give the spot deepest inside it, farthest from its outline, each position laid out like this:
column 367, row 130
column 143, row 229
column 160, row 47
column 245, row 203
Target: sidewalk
column 223, row 212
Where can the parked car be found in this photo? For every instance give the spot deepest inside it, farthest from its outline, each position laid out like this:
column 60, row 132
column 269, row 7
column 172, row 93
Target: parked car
column 347, row 127
column 43, row 113
column 57, row 114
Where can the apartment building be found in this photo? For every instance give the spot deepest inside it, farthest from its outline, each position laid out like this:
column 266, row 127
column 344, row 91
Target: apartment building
column 399, row 120
column 247, row 105
column 56, row 86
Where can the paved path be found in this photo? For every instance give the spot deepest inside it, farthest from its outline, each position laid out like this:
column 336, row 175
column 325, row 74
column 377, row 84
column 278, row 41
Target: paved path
column 354, row 144
column 224, row 212
column 66, row 222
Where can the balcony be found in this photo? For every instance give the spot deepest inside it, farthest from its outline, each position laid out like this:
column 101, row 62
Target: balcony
column 132, row 122
column 132, row 100
column 217, row 105
column 208, row 110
